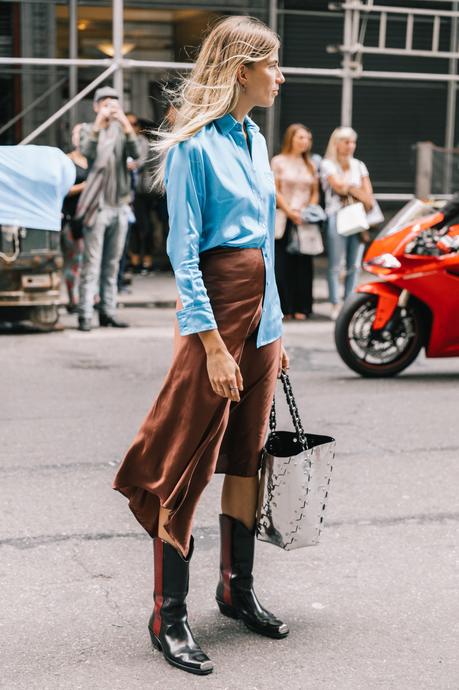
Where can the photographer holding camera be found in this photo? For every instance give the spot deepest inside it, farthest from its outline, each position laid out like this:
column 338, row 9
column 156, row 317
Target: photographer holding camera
column 103, row 206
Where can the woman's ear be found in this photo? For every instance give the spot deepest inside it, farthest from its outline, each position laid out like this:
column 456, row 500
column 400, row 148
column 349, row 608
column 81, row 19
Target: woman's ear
column 242, row 76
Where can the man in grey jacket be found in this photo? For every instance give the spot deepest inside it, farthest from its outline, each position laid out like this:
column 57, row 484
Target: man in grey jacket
column 103, row 206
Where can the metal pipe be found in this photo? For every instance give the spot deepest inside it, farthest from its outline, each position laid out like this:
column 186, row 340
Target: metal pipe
column 271, row 112
column 382, row 30
column 129, row 63
column 65, row 62
column 32, row 105
column 442, row 54
column 358, row 6
column 435, row 34
column 451, row 107
column 73, row 54
column 102, row 77
column 410, row 76
column 346, row 93
column 409, row 32
column 118, row 47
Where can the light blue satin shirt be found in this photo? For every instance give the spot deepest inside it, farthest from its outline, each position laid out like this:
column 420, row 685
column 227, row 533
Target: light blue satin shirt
column 220, row 194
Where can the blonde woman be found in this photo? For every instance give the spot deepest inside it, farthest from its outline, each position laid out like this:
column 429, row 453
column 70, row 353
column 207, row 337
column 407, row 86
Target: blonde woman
column 297, row 186
column 212, row 412
column 343, row 176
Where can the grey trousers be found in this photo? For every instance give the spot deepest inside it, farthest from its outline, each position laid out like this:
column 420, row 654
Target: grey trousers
column 103, row 246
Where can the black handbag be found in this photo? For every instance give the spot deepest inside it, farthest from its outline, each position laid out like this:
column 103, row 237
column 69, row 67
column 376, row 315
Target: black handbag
column 294, row 483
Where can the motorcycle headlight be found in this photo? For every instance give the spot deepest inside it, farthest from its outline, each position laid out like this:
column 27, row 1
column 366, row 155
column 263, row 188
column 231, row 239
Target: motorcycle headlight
column 384, row 261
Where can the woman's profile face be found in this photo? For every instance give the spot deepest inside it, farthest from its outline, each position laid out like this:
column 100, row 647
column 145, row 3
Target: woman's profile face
column 346, row 147
column 263, row 81
column 301, row 141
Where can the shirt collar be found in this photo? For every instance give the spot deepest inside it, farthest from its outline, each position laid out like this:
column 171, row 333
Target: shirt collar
column 226, row 123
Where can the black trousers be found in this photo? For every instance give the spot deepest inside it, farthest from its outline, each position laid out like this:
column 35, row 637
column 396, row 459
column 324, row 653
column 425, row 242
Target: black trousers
column 142, row 232
column 294, row 277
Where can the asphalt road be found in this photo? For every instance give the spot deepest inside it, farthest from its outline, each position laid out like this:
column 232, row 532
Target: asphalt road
column 374, row 606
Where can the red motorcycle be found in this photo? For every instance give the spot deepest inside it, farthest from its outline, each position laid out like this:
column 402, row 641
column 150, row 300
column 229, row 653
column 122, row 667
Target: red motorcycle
column 383, row 325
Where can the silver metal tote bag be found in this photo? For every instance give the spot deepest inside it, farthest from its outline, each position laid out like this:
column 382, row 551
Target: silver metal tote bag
column 295, row 478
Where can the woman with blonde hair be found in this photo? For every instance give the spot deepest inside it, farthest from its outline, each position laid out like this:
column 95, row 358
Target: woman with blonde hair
column 343, row 177
column 297, row 187
column 212, row 412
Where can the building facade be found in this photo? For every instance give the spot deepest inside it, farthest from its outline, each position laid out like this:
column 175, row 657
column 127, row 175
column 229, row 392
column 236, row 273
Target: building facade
column 389, row 113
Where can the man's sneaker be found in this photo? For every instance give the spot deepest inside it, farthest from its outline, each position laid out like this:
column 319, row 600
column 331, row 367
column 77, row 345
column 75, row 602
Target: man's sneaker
column 107, row 321
column 84, row 324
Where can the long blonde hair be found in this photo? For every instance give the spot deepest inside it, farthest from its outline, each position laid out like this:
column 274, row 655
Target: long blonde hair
column 337, row 135
column 212, row 88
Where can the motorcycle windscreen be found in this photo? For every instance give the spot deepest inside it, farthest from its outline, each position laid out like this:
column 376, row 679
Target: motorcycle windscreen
column 33, row 183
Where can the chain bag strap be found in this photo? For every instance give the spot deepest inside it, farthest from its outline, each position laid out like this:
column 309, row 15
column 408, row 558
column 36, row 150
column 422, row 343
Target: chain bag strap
column 293, row 409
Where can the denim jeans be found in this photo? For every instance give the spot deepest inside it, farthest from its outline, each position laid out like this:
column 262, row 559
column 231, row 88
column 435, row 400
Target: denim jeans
column 103, row 246
column 340, row 247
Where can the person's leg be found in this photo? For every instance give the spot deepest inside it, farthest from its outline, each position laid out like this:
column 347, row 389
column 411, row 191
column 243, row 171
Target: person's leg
column 239, row 458
column 239, row 498
column 145, row 229
column 280, row 272
column 168, row 625
column 123, row 260
column 302, row 286
column 309, row 280
column 115, row 237
column 335, row 249
column 354, row 252
column 69, row 253
column 90, row 271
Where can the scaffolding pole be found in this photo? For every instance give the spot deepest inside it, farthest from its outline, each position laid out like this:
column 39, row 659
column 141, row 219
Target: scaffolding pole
column 346, row 93
column 451, row 105
column 73, row 55
column 118, row 81
column 271, row 113
column 98, row 80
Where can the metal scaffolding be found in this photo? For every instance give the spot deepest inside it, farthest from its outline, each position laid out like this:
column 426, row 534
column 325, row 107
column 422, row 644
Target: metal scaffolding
column 355, row 18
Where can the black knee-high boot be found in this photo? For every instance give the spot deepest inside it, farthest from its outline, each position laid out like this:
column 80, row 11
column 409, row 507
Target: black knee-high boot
column 168, row 625
column 235, row 595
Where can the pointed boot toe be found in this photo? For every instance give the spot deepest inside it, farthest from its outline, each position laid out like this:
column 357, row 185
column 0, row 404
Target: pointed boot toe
column 235, row 596
column 168, row 626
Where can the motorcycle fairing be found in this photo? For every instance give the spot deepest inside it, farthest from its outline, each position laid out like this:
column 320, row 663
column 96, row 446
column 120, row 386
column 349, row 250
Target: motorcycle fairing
column 388, row 296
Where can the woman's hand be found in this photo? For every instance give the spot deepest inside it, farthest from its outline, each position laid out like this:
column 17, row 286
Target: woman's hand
column 295, row 216
column 284, row 362
column 224, row 374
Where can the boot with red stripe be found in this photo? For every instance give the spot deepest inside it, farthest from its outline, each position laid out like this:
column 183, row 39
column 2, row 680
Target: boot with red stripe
column 168, row 625
column 235, row 595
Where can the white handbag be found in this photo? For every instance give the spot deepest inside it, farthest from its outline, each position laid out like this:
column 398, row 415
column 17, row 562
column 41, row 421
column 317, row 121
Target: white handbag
column 280, row 224
column 309, row 239
column 351, row 219
column 375, row 216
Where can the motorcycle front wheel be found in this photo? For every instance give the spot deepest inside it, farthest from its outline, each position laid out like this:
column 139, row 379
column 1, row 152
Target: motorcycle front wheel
column 385, row 352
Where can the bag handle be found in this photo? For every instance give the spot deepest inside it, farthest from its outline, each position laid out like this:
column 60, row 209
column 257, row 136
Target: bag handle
column 293, row 409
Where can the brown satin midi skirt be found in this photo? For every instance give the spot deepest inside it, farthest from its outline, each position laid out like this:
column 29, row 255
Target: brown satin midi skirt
column 191, row 432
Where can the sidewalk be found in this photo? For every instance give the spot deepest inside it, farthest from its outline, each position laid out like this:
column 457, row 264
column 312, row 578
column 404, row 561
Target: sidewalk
column 158, row 290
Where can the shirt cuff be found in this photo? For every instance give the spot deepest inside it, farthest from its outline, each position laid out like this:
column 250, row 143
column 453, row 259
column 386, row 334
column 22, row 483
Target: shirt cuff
column 196, row 319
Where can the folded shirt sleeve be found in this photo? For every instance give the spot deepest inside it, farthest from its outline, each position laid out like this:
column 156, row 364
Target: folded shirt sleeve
column 185, row 188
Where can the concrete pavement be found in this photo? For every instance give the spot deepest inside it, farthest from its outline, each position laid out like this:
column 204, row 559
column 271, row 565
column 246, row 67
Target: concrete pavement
column 374, row 606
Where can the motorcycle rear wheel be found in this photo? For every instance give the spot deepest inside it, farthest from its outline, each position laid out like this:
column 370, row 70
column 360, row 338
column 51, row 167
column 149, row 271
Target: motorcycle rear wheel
column 381, row 353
